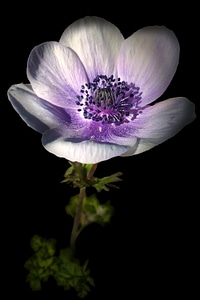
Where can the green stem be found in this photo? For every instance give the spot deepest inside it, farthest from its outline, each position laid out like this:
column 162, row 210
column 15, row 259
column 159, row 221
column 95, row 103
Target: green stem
column 76, row 229
column 91, row 172
column 77, row 219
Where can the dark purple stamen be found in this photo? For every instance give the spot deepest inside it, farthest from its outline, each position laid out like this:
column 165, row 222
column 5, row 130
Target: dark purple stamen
column 109, row 100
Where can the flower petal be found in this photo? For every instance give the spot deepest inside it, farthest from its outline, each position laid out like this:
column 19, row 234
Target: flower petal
column 160, row 122
column 56, row 73
column 109, row 133
column 87, row 129
column 36, row 112
column 149, row 59
column 77, row 149
column 97, row 43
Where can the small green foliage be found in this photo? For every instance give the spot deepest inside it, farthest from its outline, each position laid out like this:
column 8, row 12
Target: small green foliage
column 92, row 210
column 77, row 174
column 65, row 268
column 106, row 183
column 72, row 275
column 40, row 264
column 81, row 175
column 38, row 244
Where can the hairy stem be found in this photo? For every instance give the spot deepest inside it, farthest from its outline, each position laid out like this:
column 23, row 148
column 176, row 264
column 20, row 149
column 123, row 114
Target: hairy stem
column 77, row 219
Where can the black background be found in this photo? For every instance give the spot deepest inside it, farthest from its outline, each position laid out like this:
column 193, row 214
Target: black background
column 150, row 247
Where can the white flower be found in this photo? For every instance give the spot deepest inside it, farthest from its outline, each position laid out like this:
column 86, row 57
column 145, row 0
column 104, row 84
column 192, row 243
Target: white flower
column 91, row 94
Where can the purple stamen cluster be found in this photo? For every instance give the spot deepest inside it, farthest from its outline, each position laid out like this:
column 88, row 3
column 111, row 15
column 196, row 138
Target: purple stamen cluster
column 109, row 100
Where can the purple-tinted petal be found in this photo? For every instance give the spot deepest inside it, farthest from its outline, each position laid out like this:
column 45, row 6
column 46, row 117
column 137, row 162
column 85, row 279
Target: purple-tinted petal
column 75, row 148
column 56, row 73
column 96, row 41
column 87, row 129
column 160, row 122
column 36, row 112
column 164, row 119
column 149, row 58
column 109, row 133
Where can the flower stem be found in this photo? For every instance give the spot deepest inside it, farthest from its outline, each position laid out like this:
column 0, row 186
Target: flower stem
column 91, row 172
column 77, row 219
column 76, row 229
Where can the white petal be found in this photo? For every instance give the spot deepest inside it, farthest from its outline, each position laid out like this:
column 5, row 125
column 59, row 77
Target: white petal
column 56, row 73
column 79, row 150
column 37, row 113
column 164, row 119
column 142, row 146
column 149, row 58
column 160, row 122
column 97, row 43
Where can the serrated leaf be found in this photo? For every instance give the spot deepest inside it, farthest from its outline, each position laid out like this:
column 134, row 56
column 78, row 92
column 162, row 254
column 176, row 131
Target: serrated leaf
column 106, row 183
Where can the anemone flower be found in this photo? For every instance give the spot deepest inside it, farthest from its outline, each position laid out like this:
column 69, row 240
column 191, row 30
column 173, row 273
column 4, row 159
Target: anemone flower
column 92, row 94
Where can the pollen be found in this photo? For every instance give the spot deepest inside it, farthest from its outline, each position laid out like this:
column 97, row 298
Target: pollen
column 109, row 101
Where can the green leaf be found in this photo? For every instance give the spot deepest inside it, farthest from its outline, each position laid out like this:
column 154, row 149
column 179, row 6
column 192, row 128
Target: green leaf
column 71, row 274
column 77, row 174
column 92, row 210
column 106, row 183
column 40, row 263
column 71, row 207
column 69, row 171
column 36, row 242
column 82, row 175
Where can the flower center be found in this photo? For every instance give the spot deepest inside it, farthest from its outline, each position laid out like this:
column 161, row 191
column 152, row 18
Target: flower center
column 109, row 100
